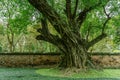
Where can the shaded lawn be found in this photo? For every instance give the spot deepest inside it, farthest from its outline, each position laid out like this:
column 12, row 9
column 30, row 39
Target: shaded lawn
column 30, row 74
column 105, row 73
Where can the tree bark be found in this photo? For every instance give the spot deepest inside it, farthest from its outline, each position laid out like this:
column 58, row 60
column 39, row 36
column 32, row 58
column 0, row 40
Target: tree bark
column 75, row 56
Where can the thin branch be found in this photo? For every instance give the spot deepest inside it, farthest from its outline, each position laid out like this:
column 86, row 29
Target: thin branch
column 18, row 39
column 75, row 9
column 108, row 15
column 107, row 20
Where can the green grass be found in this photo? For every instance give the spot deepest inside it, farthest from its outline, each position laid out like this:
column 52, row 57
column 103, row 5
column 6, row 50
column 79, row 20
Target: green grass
column 32, row 74
column 106, row 73
column 50, row 72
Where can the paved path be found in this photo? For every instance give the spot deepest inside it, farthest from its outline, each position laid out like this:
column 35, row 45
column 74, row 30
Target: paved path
column 29, row 74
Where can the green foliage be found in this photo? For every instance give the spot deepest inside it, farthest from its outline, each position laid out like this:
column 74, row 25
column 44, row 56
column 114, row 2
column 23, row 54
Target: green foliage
column 117, row 36
column 92, row 26
column 105, row 45
column 89, row 3
column 117, row 30
column 1, row 30
column 17, row 15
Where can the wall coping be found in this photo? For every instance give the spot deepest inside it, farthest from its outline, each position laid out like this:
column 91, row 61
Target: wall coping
column 30, row 53
column 104, row 53
column 55, row 53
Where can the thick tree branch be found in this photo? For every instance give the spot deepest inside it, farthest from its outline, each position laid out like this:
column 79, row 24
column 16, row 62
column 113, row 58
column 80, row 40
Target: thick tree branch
column 49, row 38
column 103, row 35
column 96, row 40
column 68, row 9
column 49, row 13
column 44, row 29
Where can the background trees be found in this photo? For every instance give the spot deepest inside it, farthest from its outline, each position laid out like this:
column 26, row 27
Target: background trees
column 15, row 18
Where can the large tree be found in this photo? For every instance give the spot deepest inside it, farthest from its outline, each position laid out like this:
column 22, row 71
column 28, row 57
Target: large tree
column 75, row 22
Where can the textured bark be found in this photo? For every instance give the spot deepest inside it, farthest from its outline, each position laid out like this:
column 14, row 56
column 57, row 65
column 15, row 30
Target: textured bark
column 75, row 53
column 75, row 58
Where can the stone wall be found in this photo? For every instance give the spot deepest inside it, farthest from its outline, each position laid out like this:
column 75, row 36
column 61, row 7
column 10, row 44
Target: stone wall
column 28, row 60
column 38, row 60
column 107, row 61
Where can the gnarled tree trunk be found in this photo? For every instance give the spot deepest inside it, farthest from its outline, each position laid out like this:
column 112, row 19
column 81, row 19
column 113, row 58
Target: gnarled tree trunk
column 75, row 53
column 69, row 40
column 75, row 57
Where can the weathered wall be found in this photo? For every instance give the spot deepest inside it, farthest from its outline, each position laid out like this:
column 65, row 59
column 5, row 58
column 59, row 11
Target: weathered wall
column 28, row 60
column 107, row 61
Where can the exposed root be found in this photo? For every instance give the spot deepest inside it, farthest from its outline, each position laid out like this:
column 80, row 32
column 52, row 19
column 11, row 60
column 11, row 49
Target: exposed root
column 73, row 70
